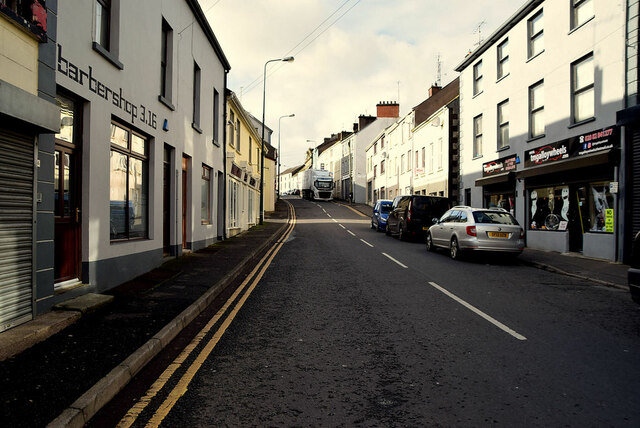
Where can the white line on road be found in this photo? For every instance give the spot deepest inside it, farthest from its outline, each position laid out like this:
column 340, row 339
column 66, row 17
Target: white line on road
column 342, row 227
column 367, row 243
column 329, row 215
column 479, row 312
column 353, row 234
column 334, row 220
column 324, row 210
column 392, row 259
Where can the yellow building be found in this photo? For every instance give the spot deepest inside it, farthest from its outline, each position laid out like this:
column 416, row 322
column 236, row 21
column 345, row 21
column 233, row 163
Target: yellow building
column 243, row 168
column 270, row 173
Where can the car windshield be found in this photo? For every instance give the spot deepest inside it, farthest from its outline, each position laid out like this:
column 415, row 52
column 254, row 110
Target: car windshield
column 385, row 208
column 494, row 217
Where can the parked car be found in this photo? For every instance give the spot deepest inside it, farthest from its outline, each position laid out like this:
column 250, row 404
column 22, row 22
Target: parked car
column 380, row 213
column 633, row 274
column 412, row 215
column 464, row 228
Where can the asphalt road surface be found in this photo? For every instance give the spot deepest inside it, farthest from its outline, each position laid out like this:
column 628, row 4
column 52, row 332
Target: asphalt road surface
column 349, row 327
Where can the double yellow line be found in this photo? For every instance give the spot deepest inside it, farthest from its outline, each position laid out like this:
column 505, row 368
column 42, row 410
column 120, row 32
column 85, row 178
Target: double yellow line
column 181, row 387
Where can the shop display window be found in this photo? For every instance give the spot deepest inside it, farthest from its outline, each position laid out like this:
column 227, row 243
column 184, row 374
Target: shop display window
column 549, row 208
column 600, row 207
column 504, row 201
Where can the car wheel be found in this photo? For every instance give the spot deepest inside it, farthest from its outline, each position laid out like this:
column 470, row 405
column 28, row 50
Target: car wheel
column 454, row 250
column 373, row 226
column 429, row 242
column 387, row 231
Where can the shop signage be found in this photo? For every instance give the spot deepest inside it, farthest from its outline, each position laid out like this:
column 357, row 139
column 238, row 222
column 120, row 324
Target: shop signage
column 608, row 220
column 499, row 166
column 86, row 78
column 580, row 145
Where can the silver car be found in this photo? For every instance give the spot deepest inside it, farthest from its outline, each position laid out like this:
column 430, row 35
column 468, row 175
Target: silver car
column 464, row 228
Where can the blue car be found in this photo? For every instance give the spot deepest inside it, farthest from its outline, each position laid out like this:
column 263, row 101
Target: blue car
column 380, row 214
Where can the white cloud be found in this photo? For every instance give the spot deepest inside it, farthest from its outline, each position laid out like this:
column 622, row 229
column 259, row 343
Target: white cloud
column 355, row 64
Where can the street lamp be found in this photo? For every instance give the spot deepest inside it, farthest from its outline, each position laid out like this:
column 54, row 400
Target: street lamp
column 264, row 91
column 278, row 182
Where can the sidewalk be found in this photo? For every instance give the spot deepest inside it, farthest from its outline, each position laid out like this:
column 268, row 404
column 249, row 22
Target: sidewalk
column 94, row 350
column 571, row 264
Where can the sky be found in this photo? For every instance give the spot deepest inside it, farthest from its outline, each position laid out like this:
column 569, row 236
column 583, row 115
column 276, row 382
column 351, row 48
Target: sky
column 349, row 56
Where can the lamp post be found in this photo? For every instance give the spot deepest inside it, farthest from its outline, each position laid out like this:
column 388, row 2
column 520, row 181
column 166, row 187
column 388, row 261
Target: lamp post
column 278, row 182
column 264, row 92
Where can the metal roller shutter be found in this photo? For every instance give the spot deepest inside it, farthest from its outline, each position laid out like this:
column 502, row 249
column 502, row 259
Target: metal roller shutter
column 16, row 228
column 635, row 181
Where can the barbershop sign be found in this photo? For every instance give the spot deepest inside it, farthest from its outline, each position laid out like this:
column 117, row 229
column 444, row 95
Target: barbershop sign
column 85, row 77
column 580, row 145
column 499, row 166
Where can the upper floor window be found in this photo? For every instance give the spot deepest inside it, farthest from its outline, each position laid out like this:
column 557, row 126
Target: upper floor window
column 216, row 116
column 250, row 152
column 503, row 124
column 238, row 134
column 103, row 23
column 382, row 167
column 375, row 148
column 196, row 96
column 232, row 118
column 382, row 142
column 536, row 34
column 581, row 12
column 166, row 61
column 536, row 110
column 477, row 136
column 582, row 89
column 477, row 78
column 503, row 59
column 106, row 37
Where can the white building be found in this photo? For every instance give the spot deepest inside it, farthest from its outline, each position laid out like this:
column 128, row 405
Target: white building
column 287, row 183
column 139, row 158
column 538, row 124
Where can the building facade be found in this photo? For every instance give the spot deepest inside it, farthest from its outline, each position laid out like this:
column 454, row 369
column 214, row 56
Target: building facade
column 138, row 164
column 538, row 124
column 29, row 117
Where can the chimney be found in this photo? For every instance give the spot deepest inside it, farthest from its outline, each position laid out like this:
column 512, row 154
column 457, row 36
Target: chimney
column 355, row 128
column 434, row 89
column 388, row 109
column 364, row 121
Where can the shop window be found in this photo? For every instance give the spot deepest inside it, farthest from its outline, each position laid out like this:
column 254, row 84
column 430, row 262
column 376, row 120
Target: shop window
column 503, row 59
column 582, row 89
column 536, row 110
column 601, row 204
column 233, row 203
column 581, row 12
column 205, row 196
column 477, row 78
column 549, row 208
column 536, row 34
column 503, row 124
column 129, row 183
column 504, row 201
column 477, row 136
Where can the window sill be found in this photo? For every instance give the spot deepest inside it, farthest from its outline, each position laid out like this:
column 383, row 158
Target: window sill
column 476, row 157
column 196, row 127
column 125, row 240
column 502, row 149
column 478, row 94
column 575, row 125
column 215, row 143
column 535, row 56
column 107, row 55
column 581, row 25
column 503, row 77
column 539, row 137
column 166, row 102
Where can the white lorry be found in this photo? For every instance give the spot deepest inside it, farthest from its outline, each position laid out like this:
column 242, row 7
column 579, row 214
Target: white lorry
column 317, row 184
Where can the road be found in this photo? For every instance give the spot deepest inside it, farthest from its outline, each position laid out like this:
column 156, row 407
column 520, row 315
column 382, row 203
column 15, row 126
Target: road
column 347, row 326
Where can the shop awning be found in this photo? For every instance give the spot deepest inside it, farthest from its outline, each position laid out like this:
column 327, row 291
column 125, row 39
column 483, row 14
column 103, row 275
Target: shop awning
column 503, row 177
column 603, row 157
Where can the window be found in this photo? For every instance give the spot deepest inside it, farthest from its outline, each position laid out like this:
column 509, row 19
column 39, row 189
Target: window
column 440, row 153
column 205, row 199
column 402, row 168
column 196, row 97
column 417, row 160
column 477, row 78
column 250, row 217
column 250, row 152
column 375, row 148
column 503, row 59
column 375, row 171
column 582, row 89
column 582, row 11
column 536, row 110
column 601, row 204
column 549, row 208
column 382, row 167
column 536, row 34
column 409, row 161
column 233, row 203
column 232, row 118
column 238, row 134
column 424, row 158
column 431, row 158
column 103, row 23
column 166, row 56
column 477, row 136
column 382, row 143
column 503, row 124
column 216, row 116
column 128, row 186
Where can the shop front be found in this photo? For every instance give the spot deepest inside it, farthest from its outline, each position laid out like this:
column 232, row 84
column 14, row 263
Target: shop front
column 571, row 191
column 498, row 183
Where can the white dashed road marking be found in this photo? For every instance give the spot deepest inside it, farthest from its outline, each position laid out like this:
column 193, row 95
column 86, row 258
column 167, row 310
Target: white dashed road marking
column 392, row 259
column 367, row 243
column 352, row 234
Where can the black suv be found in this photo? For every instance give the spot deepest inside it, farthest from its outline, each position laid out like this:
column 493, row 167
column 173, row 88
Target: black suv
column 634, row 271
column 412, row 215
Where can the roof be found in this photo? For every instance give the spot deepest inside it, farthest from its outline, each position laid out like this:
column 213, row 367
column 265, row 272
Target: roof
column 443, row 97
column 527, row 8
column 270, row 151
column 204, row 24
column 292, row 170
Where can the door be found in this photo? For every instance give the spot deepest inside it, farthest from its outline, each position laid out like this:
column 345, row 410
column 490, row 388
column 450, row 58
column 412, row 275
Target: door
column 578, row 217
column 67, row 195
column 166, row 202
column 185, row 204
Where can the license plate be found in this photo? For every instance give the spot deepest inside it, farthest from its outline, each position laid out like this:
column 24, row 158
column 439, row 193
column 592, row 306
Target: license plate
column 425, row 227
column 498, row 234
